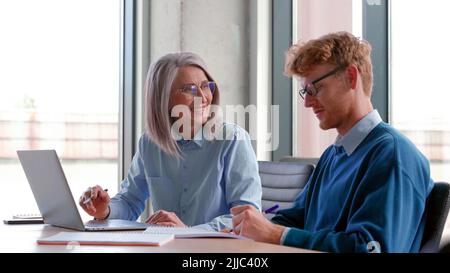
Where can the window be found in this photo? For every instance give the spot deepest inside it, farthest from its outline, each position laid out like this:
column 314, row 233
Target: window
column 317, row 18
column 419, row 53
column 59, row 89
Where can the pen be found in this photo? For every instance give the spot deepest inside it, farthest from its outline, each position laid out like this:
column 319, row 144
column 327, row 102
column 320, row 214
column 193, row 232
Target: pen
column 90, row 198
column 269, row 210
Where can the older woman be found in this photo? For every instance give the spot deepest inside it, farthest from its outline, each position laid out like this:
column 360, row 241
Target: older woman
column 191, row 177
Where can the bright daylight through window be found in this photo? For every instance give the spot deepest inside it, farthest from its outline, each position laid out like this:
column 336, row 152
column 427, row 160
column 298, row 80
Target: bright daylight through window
column 420, row 97
column 59, row 89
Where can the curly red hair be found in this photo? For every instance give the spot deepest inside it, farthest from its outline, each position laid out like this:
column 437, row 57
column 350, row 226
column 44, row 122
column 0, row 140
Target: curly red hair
column 340, row 49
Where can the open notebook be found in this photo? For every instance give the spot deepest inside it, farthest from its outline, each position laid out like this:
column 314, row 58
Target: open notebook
column 191, row 232
column 107, row 238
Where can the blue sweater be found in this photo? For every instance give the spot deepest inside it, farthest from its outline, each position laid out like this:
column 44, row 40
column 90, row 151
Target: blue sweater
column 376, row 195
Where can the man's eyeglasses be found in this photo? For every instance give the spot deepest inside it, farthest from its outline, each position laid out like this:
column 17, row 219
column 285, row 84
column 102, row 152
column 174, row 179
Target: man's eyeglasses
column 207, row 87
column 311, row 88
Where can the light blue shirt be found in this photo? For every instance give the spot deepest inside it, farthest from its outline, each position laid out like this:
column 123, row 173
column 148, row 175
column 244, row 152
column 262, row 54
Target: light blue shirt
column 212, row 177
column 351, row 140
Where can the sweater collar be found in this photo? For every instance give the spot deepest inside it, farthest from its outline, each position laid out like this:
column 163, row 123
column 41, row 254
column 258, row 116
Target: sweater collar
column 353, row 138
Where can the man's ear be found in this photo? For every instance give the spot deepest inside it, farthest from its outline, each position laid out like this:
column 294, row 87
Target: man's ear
column 352, row 75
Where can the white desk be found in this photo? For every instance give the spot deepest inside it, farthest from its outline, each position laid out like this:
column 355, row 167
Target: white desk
column 22, row 238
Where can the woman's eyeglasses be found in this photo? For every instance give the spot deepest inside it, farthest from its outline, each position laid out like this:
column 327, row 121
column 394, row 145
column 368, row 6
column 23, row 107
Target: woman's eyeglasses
column 207, row 87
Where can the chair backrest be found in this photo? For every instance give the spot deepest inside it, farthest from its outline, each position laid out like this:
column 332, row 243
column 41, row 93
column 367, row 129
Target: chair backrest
column 282, row 182
column 437, row 207
column 445, row 248
column 310, row 160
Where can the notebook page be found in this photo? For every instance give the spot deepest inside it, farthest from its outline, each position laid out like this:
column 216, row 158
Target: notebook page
column 190, row 232
column 107, row 238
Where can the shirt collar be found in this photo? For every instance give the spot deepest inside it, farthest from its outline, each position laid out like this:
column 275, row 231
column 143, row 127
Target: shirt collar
column 197, row 140
column 351, row 140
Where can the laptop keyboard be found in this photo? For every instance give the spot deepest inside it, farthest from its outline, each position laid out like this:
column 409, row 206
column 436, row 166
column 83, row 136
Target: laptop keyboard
column 97, row 223
column 114, row 225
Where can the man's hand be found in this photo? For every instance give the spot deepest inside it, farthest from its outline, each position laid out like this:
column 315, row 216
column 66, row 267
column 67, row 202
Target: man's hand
column 165, row 218
column 251, row 223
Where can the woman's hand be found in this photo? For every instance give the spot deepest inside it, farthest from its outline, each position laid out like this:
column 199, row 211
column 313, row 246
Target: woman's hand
column 165, row 218
column 95, row 201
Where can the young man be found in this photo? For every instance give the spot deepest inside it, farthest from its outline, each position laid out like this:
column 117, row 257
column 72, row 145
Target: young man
column 369, row 189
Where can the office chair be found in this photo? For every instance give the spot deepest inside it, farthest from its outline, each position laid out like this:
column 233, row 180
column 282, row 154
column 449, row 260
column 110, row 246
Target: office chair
column 282, row 182
column 437, row 207
column 445, row 248
column 310, row 160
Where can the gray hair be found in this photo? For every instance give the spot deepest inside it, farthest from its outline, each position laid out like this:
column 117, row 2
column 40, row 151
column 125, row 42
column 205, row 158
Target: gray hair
column 158, row 85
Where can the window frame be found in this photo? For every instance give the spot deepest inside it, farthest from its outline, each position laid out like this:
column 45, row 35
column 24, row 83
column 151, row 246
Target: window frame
column 127, row 102
column 282, row 28
column 376, row 30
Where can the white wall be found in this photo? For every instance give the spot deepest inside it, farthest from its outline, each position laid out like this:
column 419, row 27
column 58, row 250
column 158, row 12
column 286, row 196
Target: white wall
column 233, row 37
column 217, row 30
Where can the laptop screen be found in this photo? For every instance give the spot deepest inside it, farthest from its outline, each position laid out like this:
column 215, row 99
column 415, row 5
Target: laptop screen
column 50, row 188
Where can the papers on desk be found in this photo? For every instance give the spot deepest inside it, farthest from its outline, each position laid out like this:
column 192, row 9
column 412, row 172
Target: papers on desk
column 190, row 232
column 24, row 219
column 107, row 238
column 27, row 216
column 152, row 236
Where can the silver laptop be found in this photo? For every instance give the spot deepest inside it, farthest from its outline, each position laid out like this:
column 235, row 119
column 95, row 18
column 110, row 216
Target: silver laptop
column 54, row 198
